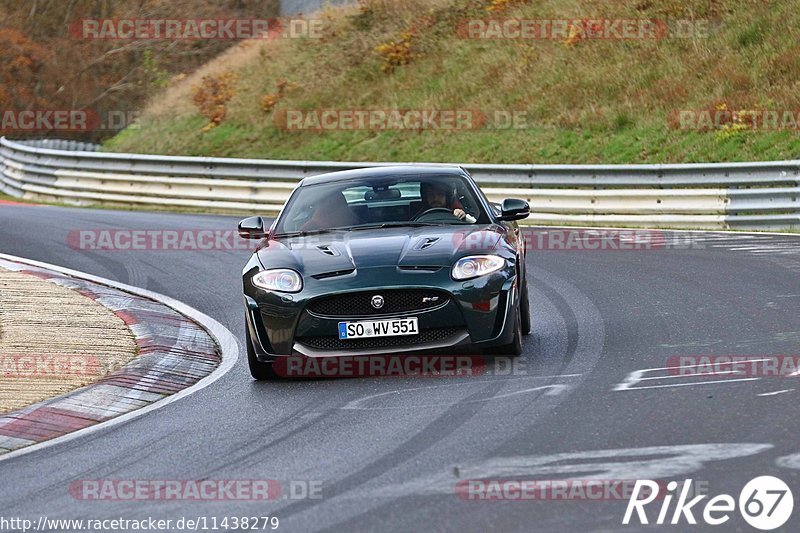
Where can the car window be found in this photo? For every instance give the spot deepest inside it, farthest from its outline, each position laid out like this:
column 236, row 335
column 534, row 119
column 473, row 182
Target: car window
column 381, row 201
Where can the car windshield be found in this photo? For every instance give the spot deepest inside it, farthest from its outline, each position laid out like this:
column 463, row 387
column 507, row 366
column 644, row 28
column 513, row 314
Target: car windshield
column 381, row 202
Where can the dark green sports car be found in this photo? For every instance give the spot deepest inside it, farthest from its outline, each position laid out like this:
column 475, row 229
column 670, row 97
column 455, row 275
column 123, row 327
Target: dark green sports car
column 386, row 260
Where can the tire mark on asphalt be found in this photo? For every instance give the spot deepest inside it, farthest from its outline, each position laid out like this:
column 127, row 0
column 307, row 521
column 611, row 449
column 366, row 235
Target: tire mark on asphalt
column 430, row 435
column 120, row 461
column 585, row 337
column 260, row 441
column 570, row 323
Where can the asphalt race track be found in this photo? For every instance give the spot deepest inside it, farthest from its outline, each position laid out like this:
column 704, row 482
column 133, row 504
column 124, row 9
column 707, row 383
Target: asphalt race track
column 589, row 397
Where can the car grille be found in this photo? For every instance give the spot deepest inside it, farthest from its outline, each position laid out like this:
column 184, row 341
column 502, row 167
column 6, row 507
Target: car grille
column 334, row 343
column 395, row 301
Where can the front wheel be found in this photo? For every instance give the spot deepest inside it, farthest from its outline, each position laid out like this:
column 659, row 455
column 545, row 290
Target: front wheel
column 259, row 370
column 525, row 308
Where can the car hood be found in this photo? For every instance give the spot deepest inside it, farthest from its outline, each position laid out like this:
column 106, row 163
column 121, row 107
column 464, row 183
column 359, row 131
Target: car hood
column 405, row 247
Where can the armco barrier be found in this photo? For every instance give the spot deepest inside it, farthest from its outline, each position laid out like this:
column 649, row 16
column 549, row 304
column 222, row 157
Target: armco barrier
column 720, row 195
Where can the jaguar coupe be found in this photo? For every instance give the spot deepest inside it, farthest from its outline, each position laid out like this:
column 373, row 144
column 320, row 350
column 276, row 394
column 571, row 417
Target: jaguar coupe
column 388, row 260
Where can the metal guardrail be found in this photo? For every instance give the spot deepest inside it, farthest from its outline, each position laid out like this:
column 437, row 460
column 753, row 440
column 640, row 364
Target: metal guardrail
column 721, row 195
column 63, row 144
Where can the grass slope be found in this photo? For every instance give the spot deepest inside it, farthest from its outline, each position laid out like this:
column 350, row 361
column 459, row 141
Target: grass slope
column 597, row 101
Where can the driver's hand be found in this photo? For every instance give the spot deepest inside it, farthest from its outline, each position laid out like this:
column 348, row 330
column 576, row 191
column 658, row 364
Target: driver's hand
column 460, row 214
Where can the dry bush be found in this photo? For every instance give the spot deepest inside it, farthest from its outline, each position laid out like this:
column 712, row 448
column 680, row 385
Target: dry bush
column 71, row 72
column 269, row 101
column 785, row 67
column 212, row 95
column 498, row 6
column 396, row 53
column 21, row 60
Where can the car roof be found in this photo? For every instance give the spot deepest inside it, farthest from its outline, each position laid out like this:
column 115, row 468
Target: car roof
column 387, row 171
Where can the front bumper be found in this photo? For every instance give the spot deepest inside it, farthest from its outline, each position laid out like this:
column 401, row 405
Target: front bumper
column 478, row 313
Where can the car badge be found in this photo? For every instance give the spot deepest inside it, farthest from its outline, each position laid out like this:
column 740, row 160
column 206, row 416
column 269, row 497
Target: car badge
column 377, row 301
column 427, row 299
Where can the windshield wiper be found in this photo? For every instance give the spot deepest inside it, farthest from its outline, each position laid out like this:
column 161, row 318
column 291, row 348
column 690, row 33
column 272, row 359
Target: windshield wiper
column 396, row 225
column 364, row 227
column 308, row 232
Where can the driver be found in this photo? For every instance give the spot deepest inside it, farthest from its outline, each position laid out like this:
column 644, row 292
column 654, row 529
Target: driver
column 436, row 195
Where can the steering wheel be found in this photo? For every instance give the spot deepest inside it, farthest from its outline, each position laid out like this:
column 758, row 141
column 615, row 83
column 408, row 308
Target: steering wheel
column 434, row 211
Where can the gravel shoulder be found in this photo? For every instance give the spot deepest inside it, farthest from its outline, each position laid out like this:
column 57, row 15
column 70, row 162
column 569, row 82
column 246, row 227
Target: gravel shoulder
column 54, row 340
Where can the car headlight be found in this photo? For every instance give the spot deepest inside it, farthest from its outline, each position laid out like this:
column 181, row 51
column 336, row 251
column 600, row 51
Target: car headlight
column 279, row 280
column 477, row 265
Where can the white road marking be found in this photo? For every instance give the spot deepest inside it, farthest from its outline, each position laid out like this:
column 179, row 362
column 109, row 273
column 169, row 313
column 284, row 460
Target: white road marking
column 774, row 393
column 654, row 462
column 721, row 372
column 688, row 384
column 552, row 390
column 789, row 461
column 637, row 376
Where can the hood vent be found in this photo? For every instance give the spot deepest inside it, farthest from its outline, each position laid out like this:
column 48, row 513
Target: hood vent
column 327, row 250
column 426, row 242
column 419, row 268
column 334, row 274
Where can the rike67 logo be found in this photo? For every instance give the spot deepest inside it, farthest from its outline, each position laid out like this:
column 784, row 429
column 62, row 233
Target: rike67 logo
column 765, row 503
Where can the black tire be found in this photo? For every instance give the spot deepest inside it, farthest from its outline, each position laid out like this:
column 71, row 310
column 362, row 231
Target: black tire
column 260, row 371
column 525, row 309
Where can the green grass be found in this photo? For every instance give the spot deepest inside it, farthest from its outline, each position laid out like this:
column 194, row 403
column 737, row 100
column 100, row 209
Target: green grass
column 8, row 198
column 595, row 102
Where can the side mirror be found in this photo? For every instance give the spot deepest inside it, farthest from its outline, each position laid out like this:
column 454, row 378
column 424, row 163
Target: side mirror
column 514, row 209
column 252, row 228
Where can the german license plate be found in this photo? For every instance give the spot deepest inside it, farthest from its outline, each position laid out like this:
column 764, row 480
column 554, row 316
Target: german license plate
column 378, row 328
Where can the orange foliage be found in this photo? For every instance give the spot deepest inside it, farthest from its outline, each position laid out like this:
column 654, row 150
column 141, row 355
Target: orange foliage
column 212, row 96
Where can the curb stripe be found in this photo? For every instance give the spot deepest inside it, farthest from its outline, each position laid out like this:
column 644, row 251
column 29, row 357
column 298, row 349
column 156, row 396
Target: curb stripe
column 180, row 351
